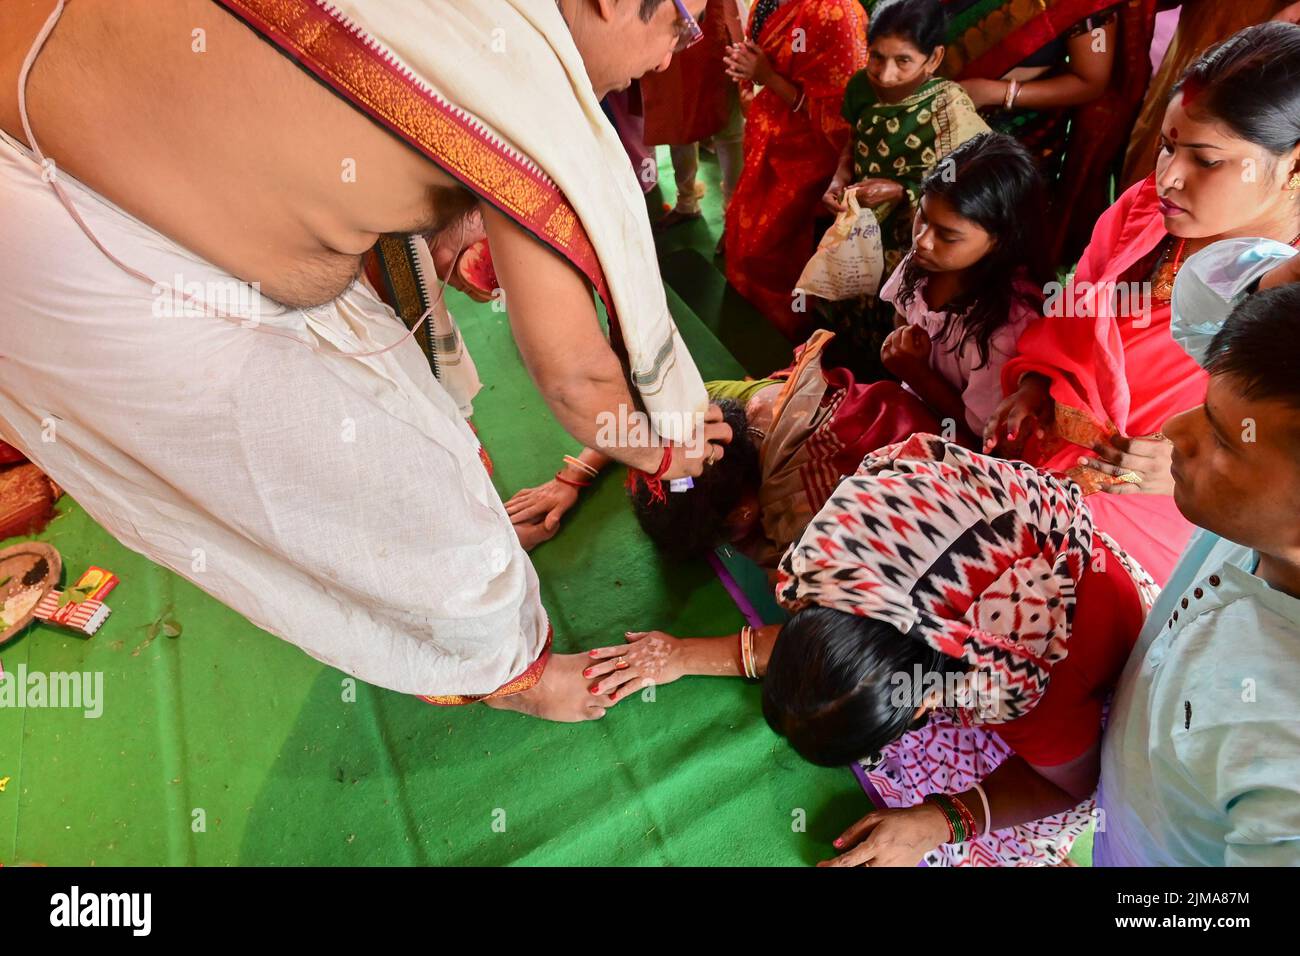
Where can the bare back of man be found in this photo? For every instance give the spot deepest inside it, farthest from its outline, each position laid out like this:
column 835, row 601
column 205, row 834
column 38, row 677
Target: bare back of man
column 246, row 160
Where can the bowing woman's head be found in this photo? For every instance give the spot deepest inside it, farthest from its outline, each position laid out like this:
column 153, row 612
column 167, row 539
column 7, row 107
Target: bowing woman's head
column 907, row 40
column 720, row 506
column 932, row 578
column 1229, row 160
column 840, row 687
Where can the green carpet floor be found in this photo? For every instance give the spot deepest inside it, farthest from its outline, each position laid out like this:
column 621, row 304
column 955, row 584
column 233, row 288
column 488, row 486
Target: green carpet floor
column 225, row 745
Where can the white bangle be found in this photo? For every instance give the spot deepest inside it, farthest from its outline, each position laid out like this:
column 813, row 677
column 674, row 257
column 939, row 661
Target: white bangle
column 1013, row 90
column 579, row 465
column 988, row 814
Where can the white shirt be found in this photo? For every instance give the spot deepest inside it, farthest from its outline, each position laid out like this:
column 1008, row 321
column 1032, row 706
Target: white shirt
column 1200, row 762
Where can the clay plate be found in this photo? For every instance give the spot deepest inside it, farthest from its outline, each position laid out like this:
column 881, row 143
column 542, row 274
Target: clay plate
column 33, row 570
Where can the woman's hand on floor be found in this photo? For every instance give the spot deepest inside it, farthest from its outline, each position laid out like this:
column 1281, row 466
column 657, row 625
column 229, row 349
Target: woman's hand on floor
column 648, row 657
column 536, row 512
column 891, row 837
column 1025, row 412
column 1150, row 459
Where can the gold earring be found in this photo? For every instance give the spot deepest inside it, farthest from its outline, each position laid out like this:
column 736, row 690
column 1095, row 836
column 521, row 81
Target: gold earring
column 1294, row 184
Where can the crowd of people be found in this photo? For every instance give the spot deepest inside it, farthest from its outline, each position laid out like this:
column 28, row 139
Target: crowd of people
column 1029, row 501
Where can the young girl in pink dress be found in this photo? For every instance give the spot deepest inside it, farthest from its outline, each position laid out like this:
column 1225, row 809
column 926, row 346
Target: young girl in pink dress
column 971, row 283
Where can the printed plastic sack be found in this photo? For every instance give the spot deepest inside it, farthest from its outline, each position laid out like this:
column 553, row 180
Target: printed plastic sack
column 849, row 260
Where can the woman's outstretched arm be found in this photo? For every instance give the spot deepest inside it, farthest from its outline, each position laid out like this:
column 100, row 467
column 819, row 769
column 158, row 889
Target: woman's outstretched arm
column 1017, row 793
column 653, row 657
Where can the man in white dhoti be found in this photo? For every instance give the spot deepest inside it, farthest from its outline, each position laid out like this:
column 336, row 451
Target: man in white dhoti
column 235, row 438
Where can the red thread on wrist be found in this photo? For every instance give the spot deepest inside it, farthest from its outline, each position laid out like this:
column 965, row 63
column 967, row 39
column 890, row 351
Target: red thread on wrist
column 653, row 483
column 559, row 476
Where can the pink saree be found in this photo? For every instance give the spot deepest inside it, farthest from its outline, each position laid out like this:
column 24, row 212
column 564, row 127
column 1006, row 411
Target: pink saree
column 1115, row 366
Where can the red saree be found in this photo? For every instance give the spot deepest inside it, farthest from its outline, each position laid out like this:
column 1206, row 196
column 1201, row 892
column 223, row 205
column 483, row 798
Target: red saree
column 823, row 425
column 1123, row 369
column 790, row 157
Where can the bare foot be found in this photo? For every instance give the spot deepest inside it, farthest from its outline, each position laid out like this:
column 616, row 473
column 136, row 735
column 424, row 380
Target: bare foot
column 561, row 694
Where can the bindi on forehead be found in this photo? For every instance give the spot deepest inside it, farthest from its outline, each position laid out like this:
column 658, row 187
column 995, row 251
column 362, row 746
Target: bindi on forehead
column 1173, row 133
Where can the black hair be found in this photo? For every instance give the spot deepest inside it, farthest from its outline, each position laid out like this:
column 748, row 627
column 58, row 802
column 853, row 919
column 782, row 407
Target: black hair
column 830, row 686
column 687, row 524
column 1251, row 83
column 992, row 181
column 1257, row 346
column 921, row 23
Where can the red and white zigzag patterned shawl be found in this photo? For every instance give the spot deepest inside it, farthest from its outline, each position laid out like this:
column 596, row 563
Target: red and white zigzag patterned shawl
column 976, row 556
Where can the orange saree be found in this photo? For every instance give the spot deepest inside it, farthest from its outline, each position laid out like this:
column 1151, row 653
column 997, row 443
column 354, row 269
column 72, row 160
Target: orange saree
column 791, row 156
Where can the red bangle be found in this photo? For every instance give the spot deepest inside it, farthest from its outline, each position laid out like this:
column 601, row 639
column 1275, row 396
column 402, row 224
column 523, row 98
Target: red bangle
column 967, row 817
column 664, row 463
column 559, row 476
column 940, row 801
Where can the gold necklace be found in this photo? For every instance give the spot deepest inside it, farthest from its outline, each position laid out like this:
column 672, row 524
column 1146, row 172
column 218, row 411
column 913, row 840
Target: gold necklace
column 1162, row 289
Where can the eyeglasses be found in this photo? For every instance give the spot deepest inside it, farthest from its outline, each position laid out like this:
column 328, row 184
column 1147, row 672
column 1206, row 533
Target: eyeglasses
column 688, row 28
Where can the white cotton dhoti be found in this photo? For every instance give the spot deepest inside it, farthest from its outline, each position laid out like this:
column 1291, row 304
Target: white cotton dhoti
column 339, row 503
